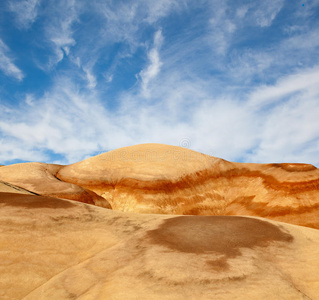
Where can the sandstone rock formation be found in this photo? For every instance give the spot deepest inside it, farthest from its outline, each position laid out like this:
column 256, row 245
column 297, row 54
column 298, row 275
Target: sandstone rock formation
column 162, row 179
column 58, row 249
column 40, row 178
column 155, row 178
column 52, row 248
column 6, row 187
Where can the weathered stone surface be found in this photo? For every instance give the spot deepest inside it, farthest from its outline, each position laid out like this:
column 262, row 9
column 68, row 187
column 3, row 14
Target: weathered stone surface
column 155, row 178
column 6, row 187
column 40, row 178
column 162, row 179
column 58, row 249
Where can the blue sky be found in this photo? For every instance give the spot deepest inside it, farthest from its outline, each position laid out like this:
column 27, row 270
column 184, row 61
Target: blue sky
column 234, row 79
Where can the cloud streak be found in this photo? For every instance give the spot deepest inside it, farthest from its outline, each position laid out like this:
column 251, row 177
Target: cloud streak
column 297, row 83
column 267, row 12
column 7, row 65
column 74, row 124
column 59, row 31
column 226, row 77
column 25, row 12
column 154, row 67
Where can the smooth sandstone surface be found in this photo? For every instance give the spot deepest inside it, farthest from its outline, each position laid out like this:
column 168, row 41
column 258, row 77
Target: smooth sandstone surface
column 52, row 248
column 6, row 187
column 162, row 179
column 40, row 178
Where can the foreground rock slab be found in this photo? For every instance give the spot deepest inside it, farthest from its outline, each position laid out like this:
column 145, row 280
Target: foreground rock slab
column 59, row 249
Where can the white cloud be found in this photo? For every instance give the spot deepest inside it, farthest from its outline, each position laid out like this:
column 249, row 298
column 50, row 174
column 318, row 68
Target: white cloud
column 246, row 65
column 290, row 131
column 120, row 22
column 221, row 28
column 192, row 89
column 155, row 63
column 224, row 128
column 300, row 82
column 63, row 121
column 242, row 11
column 125, row 21
column 307, row 40
column 159, row 9
column 267, row 64
column 109, row 78
column 91, row 79
column 76, row 124
column 59, row 32
column 62, row 46
column 29, row 99
column 267, row 12
column 26, row 12
column 292, row 29
column 11, row 149
column 6, row 63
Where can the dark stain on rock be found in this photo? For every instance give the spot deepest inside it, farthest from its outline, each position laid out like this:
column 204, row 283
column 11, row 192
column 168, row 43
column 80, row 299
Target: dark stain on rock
column 294, row 167
column 131, row 185
column 222, row 235
column 31, row 201
column 18, row 188
column 263, row 209
column 219, row 264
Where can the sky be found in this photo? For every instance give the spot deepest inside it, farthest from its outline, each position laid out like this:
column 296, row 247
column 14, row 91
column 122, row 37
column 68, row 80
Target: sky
column 237, row 80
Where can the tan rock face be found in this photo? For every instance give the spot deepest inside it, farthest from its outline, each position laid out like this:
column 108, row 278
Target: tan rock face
column 58, row 249
column 40, row 178
column 155, row 178
column 162, row 179
column 136, row 178
column 6, row 187
column 52, row 248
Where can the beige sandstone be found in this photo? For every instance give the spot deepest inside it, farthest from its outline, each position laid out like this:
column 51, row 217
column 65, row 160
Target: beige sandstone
column 162, row 179
column 52, row 248
column 6, row 187
column 40, row 178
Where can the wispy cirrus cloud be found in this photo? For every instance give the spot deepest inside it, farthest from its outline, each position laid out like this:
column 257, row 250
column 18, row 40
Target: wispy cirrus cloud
column 155, row 64
column 90, row 78
column 221, row 26
column 292, row 53
column 225, row 76
column 266, row 12
column 307, row 80
column 7, row 65
column 62, row 121
column 74, row 124
column 58, row 31
column 25, row 12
